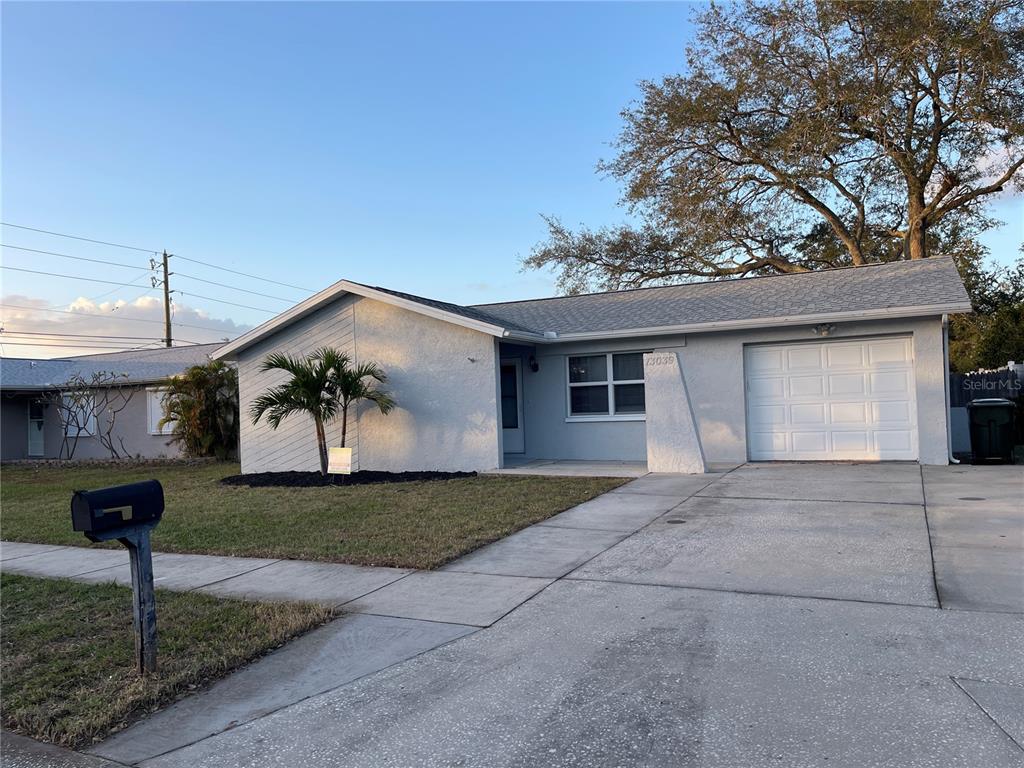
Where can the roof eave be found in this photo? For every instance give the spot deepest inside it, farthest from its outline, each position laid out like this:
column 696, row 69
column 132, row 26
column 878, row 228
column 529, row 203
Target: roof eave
column 336, row 291
column 762, row 322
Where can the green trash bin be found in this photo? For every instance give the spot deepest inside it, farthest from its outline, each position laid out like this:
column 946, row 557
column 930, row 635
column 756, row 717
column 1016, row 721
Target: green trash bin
column 992, row 429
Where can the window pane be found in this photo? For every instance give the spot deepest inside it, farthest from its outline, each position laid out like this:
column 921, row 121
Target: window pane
column 589, row 368
column 588, row 400
column 628, row 366
column 509, row 398
column 629, row 398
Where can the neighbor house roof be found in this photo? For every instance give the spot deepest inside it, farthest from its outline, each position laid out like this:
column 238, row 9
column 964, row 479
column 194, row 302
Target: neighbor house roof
column 138, row 366
column 900, row 289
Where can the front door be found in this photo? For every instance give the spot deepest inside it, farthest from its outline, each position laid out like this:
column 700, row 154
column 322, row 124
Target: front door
column 36, row 423
column 512, row 438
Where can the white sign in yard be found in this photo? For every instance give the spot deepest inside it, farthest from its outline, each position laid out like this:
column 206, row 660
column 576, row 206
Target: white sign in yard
column 339, row 461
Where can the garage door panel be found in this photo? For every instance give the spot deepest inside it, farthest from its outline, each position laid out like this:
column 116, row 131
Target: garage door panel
column 769, row 387
column 893, row 442
column 890, row 352
column 768, row 442
column 890, row 383
column 844, row 356
column 849, row 413
column 807, row 386
column 860, row 406
column 807, row 414
column 810, row 442
column 891, row 413
column 767, row 359
column 846, row 384
column 855, row 441
column 767, row 415
column 803, row 358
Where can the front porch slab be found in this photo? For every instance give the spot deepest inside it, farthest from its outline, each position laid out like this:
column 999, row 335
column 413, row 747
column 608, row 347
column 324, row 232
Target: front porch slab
column 516, row 465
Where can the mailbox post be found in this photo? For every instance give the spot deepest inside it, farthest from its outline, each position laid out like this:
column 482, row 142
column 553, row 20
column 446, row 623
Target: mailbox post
column 100, row 515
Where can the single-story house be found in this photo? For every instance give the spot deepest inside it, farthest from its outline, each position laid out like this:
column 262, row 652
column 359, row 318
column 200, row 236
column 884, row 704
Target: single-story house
column 844, row 364
column 31, row 426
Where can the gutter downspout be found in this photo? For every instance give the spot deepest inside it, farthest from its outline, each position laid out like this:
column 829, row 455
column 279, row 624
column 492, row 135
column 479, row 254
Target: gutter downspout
column 945, row 381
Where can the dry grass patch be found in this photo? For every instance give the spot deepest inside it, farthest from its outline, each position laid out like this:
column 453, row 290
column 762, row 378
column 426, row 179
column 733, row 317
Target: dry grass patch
column 67, row 662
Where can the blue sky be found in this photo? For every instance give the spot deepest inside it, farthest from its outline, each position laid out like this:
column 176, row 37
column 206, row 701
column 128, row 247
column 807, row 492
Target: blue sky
column 413, row 146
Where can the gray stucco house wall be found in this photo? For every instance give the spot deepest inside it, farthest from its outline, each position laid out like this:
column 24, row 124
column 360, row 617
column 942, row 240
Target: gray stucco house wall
column 131, row 426
column 713, row 368
column 447, row 365
column 24, row 382
column 441, row 375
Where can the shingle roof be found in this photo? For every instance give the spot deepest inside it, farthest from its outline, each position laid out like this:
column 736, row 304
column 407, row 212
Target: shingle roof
column 139, row 366
column 904, row 289
column 473, row 313
column 924, row 283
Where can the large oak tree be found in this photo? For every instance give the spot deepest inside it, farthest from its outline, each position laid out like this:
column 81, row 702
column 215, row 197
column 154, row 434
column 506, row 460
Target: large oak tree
column 811, row 134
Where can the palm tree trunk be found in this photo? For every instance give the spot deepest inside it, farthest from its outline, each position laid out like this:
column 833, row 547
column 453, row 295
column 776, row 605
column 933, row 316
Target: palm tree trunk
column 321, row 444
column 344, row 423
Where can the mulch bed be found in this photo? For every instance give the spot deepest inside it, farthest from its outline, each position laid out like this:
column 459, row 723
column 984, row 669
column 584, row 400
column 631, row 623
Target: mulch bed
column 315, row 479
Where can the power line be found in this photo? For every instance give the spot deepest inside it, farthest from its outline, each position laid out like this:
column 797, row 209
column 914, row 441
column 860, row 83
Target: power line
column 77, row 237
column 112, row 317
column 221, row 301
column 79, row 345
column 233, row 288
column 69, row 256
column 236, row 272
column 105, row 336
column 68, row 277
column 154, row 251
column 133, row 281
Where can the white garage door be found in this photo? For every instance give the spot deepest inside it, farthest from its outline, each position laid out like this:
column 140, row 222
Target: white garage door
column 831, row 400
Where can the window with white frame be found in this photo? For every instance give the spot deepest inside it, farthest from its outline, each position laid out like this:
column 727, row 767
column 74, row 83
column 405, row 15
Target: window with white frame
column 156, row 411
column 608, row 385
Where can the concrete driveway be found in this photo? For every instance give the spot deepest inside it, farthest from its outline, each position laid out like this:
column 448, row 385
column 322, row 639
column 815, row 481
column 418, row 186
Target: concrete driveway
column 772, row 615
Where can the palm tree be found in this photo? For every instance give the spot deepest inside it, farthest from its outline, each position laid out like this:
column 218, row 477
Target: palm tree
column 201, row 404
column 309, row 390
column 355, row 383
column 321, row 384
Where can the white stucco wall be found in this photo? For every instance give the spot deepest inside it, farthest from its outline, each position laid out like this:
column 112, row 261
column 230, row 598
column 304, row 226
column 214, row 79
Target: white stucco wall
column 443, row 378
column 441, row 375
column 712, row 364
column 673, row 444
column 292, row 446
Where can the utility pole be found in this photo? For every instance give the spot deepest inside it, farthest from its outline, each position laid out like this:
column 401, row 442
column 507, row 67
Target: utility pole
column 167, row 304
column 153, row 264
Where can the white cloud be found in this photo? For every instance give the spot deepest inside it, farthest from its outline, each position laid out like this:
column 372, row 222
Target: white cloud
column 108, row 322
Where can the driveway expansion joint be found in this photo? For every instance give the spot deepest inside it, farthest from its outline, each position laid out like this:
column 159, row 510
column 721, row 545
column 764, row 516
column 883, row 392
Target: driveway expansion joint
column 993, row 720
column 755, row 593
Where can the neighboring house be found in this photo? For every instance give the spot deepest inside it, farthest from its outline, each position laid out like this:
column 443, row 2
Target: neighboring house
column 30, row 424
column 838, row 364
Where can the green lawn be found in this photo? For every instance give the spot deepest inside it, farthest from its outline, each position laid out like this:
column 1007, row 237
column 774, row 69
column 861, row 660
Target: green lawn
column 412, row 525
column 67, row 662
